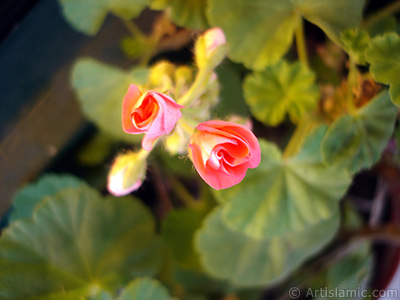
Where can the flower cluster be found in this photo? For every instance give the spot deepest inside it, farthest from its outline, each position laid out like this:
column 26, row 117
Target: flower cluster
column 221, row 151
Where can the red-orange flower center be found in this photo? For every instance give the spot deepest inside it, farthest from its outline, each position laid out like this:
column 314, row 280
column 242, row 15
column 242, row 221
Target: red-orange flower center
column 145, row 113
column 152, row 113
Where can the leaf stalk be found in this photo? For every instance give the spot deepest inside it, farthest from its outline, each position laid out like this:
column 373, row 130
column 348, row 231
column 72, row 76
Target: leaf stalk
column 301, row 43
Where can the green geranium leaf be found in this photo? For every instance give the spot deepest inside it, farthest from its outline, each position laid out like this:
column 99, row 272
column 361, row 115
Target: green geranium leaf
column 394, row 91
column 185, row 13
column 356, row 141
column 27, row 198
column 332, row 16
column 351, row 273
column 144, row 289
column 77, row 245
column 260, row 32
column 101, row 89
column 279, row 90
column 284, row 195
column 178, row 231
column 247, row 262
column 384, row 57
column 87, row 16
column 355, row 42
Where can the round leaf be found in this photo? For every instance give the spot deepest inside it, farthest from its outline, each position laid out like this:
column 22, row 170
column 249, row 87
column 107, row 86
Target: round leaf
column 384, row 57
column 87, row 16
column 284, row 195
column 394, row 91
column 356, row 141
column 355, row 42
column 279, row 90
column 245, row 262
column 100, row 89
column 332, row 16
column 27, row 198
column 76, row 245
column 260, row 32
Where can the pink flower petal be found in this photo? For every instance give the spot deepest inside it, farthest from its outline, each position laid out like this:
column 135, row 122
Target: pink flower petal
column 130, row 99
column 222, row 152
column 152, row 113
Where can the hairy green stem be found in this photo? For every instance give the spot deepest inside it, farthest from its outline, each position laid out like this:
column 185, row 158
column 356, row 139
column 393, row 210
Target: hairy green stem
column 302, row 129
column 197, row 87
column 351, row 84
column 301, row 43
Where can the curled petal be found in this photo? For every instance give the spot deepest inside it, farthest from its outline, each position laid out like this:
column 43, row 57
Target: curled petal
column 130, row 99
column 152, row 113
column 223, row 151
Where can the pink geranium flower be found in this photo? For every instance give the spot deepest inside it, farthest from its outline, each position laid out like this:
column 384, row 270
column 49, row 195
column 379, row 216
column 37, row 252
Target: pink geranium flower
column 152, row 113
column 222, row 152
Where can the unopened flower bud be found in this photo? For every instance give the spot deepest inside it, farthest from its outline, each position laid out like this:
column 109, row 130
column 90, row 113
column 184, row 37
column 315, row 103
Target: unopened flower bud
column 214, row 38
column 127, row 173
column 211, row 49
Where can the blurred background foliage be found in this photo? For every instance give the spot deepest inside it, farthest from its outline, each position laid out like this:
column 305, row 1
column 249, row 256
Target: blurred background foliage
column 319, row 81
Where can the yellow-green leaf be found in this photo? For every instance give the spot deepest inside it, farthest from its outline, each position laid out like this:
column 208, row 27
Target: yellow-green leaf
column 248, row 262
column 260, row 32
column 76, row 245
column 355, row 42
column 29, row 197
column 384, row 57
column 100, row 89
column 284, row 195
column 356, row 141
column 280, row 90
